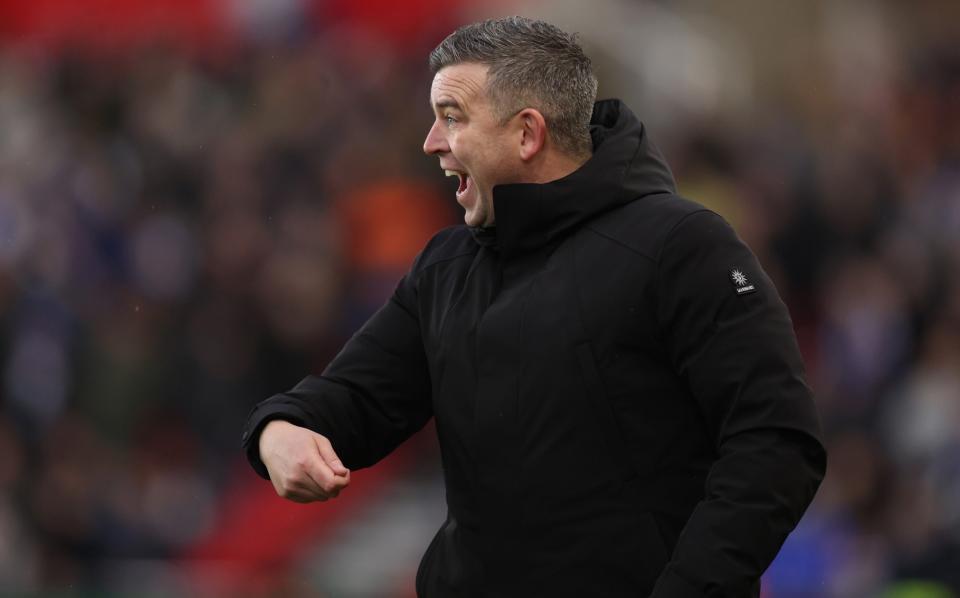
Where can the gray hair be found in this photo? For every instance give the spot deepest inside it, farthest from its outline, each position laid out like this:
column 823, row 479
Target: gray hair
column 532, row 64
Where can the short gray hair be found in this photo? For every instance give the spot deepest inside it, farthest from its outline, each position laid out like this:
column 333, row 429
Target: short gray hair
column 532, row 64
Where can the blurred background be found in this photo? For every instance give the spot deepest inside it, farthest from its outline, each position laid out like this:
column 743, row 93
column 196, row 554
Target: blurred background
column 200, row 200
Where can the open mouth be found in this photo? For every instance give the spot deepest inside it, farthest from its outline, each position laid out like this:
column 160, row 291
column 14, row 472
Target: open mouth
column 464, row 180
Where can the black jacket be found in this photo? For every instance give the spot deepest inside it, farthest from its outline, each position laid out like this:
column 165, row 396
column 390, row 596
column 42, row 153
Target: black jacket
column 618, row 394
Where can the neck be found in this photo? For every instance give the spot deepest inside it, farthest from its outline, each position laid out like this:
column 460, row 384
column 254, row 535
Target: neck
column 556, row 165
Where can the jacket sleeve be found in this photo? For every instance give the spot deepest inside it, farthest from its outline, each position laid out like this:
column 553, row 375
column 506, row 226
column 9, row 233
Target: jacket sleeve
column 732, row 342
column 373, row 395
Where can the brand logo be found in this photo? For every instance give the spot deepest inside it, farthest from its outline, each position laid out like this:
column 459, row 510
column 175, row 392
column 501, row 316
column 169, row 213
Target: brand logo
column 741, row 283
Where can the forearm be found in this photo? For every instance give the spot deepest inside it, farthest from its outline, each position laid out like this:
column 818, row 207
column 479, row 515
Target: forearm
column 372, row 396
column 756, row 492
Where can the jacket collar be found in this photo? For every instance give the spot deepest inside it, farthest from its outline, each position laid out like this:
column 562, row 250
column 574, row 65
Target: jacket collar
column 625, row 167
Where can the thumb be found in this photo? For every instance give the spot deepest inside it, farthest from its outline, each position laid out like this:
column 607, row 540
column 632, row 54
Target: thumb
column 330, row 457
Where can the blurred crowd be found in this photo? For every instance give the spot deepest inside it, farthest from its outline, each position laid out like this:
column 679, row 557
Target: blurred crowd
column 181, row 239
column 184, row 233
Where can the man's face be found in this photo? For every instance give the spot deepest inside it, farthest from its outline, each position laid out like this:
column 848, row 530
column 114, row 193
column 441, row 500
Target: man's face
column 469, row 140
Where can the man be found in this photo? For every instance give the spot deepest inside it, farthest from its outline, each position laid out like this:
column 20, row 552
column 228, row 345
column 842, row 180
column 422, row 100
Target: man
column 617, row 390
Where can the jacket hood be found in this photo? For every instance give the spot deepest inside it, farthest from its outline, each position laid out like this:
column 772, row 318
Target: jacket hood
column 625, row 167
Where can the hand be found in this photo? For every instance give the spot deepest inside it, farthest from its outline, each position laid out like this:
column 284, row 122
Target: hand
column 301, row 463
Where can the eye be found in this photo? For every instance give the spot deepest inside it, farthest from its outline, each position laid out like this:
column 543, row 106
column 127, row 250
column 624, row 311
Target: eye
column 450, row 120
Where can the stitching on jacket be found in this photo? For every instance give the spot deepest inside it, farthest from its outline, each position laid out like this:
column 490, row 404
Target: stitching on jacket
column 613, row 239
column 626, row 167
column 666, row 238
column 451, row 232
column 477, row 260
column 659, row 261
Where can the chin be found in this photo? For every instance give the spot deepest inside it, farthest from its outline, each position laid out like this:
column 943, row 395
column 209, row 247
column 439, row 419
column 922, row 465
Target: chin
column 474, row 218
column 478, row 214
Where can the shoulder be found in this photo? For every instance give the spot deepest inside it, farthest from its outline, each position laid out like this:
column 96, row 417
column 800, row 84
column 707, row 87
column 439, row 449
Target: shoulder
column 645, row 225
column 446, row 245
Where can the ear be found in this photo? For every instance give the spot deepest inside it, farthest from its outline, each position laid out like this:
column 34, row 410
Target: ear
column 533, row 132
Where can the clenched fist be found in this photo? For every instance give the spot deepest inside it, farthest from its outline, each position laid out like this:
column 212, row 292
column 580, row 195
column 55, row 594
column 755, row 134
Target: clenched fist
column 301, row 463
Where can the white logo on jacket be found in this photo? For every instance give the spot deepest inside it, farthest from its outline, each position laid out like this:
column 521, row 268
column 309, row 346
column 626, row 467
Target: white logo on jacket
column 740, row 282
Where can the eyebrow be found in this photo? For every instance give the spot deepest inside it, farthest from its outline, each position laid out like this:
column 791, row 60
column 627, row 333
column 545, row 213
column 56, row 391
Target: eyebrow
column 447, row 103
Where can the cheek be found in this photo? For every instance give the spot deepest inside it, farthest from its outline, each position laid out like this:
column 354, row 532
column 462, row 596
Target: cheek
column 459, row 145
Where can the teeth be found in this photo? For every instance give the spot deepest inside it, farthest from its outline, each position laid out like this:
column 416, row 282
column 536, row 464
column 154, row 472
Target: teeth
column 451, row 173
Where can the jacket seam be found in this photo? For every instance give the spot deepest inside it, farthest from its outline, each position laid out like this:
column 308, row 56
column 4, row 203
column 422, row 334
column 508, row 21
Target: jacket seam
column 612, row 239
column 423, row 269
column 477, row 258
column 666, row 238
column 414, row 316
column 636, row 152
column 659, row 261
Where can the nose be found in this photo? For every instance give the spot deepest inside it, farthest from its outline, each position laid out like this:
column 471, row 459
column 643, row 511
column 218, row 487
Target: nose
column 435, row 143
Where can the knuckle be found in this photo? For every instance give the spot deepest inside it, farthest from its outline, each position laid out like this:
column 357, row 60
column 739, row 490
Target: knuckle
column 287, row 488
